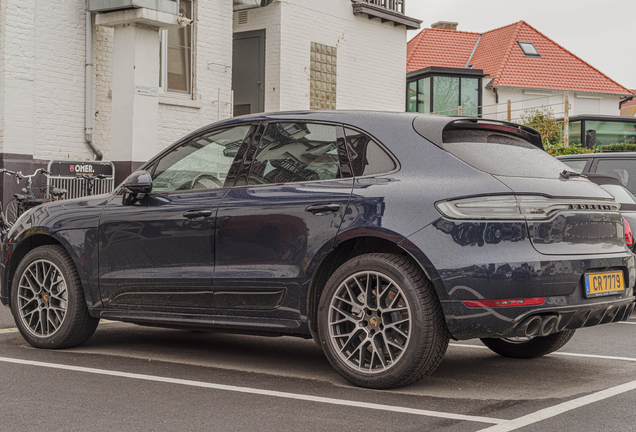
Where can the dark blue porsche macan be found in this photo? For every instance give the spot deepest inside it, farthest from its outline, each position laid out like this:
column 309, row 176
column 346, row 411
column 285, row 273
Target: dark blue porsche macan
column 380, row 235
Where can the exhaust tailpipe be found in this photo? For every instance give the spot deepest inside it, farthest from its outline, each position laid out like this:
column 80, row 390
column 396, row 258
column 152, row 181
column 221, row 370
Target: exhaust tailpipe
column 529, row 327
column 548, row 325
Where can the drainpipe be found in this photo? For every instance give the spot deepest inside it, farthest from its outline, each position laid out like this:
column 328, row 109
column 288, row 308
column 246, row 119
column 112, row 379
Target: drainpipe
column 89, row 86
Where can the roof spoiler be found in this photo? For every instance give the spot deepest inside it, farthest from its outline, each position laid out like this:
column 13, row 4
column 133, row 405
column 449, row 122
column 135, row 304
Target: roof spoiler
column 432, row 127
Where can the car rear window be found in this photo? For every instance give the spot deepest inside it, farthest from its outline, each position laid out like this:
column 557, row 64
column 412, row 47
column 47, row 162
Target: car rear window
column 501, row 154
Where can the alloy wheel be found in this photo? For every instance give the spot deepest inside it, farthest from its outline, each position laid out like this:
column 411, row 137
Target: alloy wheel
column 369, row 322
column 42, row 298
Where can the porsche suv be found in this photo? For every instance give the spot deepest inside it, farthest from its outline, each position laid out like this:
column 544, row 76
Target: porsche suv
column 380, row 235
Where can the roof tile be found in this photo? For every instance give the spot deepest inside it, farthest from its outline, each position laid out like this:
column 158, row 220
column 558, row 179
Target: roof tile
column 501, row 58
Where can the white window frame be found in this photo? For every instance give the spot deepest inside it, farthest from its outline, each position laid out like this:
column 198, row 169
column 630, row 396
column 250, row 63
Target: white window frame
column 163, row 67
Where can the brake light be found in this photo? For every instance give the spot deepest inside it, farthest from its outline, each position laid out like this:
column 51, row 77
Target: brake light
column 629, row 236
column 499, row 128
column 474, row 304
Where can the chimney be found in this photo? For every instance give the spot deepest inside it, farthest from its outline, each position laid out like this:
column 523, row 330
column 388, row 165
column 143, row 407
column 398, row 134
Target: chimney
column 444, row 25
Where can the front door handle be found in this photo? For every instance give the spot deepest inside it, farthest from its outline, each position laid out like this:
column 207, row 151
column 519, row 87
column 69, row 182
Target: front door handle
column 191, row 214
column 323, row 209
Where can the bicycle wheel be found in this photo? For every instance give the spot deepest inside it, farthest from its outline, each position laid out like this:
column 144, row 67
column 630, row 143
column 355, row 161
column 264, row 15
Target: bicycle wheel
column 11, row 211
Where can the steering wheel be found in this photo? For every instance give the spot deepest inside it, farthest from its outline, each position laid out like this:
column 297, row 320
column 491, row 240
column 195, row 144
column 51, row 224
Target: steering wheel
column 206, row 181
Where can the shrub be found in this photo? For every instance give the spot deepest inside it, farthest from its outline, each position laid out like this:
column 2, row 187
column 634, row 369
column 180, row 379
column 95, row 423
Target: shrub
column 559, row 149
column 543, row 120
column 624, row 146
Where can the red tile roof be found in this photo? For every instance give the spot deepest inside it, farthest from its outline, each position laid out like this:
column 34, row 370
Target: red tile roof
column 501, row 58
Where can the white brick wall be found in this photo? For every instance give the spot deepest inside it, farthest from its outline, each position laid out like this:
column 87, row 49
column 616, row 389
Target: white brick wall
column 3, row 27
column 371, row 54
column 102, row 97
column 213, row 71
column 42, row 70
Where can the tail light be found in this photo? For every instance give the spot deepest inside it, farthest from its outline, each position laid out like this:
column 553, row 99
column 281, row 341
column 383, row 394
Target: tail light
column 524, row 207
column 629, row 236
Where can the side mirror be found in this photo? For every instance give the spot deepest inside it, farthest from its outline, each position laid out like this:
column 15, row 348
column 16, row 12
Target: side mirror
column 139, row 182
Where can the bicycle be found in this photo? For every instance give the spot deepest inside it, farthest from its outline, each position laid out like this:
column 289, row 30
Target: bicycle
column 4, row 224
column 90, row 181
column 27, row 200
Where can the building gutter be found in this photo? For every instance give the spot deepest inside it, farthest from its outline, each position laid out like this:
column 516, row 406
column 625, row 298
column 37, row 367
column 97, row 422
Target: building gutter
column 89, row 87
column 621, row 95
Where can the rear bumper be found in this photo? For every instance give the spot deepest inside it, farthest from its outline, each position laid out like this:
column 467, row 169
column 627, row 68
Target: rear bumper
column 490, row 261
column 465, row 323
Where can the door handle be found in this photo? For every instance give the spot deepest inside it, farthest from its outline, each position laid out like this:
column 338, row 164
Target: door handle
column 323, row 209
column 191, row 214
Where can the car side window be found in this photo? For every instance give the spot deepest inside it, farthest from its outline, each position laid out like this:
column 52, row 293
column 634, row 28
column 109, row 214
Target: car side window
column 366, row 156
column 622, row 169
column 200, row 163
column 575, row 164
column 296, row 152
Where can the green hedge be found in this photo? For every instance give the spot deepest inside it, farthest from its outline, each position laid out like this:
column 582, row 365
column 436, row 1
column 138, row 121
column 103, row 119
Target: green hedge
column 624, row 146
column 560, row 149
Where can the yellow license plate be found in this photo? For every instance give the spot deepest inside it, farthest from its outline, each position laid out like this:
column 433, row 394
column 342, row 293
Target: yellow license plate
column 598, row 284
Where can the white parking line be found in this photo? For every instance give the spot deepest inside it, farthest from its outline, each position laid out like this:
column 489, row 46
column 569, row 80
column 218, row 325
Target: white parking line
column 248, row 390
column 8, row 330
column 626, row 322
column 596, row 356
column 560, row 408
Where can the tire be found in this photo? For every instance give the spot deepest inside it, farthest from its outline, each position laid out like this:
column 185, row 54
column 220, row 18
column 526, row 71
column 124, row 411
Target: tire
column 354, row 326
column 47, row 300
column 529, row 348
column 11, row 211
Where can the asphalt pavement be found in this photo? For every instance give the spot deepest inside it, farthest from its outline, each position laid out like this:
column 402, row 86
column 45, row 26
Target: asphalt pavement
column 134, row 378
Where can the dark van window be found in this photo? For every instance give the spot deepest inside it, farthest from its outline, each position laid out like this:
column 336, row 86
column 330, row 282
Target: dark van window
column 366, row 156
column 296, row 152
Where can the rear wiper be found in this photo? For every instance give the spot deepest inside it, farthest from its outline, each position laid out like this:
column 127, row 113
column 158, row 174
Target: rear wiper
column 567, row 174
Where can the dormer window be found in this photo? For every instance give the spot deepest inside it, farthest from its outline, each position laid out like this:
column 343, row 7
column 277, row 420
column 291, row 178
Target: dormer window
column 528, row 49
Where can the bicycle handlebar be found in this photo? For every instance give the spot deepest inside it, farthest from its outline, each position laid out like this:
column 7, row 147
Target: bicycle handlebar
column 92, row 176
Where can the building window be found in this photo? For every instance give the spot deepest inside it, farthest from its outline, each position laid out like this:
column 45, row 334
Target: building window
column 176, row 55
column 528, row 49
column 322, row 83
column 443, row 94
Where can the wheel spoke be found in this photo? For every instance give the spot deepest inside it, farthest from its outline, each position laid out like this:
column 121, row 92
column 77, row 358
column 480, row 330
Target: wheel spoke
column 353, row 297
column 345, row 313
column 397, row 330
column 379, row 351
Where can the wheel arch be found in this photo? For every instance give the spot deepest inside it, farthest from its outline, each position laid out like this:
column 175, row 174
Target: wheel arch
column 356, row 246
column 36, row 240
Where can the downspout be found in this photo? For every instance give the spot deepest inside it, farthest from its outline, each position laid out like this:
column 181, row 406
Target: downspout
column 89, row 86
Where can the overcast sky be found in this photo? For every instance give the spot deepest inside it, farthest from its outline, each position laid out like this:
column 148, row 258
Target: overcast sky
column 602, row 33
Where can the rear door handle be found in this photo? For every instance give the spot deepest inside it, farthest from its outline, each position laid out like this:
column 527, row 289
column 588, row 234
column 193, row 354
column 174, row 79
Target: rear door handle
column 191, row 214
column 323, row 209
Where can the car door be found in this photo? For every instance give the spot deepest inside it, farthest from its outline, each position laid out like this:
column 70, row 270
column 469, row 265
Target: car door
column 282, row 216
column 158, row 252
